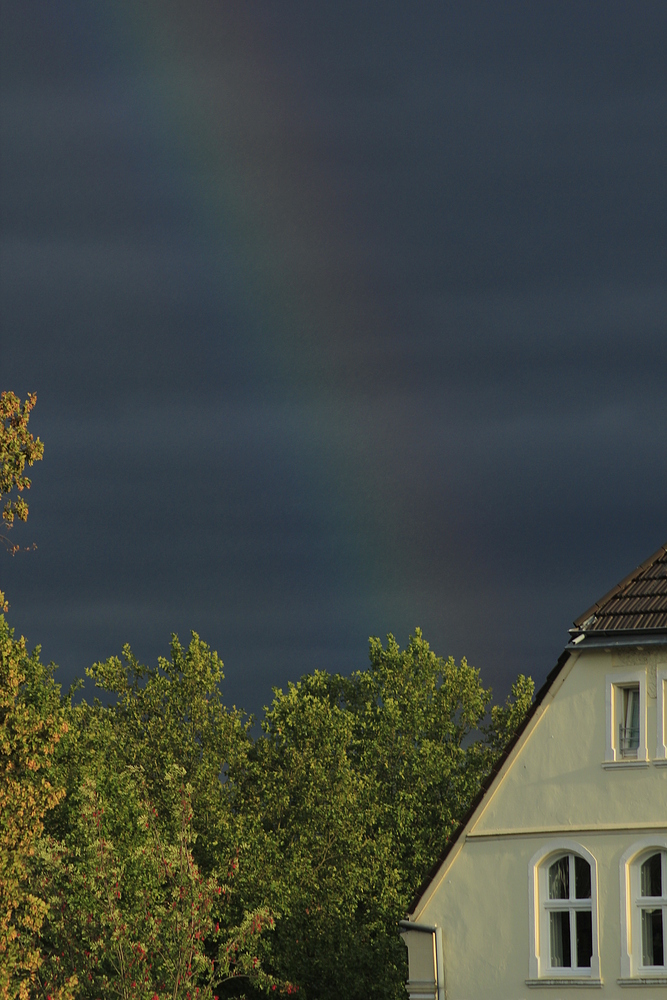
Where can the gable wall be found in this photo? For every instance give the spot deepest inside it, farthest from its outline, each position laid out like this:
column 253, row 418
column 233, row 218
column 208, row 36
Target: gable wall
column 555, row 787
column 558, row 779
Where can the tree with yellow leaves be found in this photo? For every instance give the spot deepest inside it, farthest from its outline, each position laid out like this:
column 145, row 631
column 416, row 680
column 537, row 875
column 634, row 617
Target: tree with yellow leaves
column 31, row 725
column 18, row 448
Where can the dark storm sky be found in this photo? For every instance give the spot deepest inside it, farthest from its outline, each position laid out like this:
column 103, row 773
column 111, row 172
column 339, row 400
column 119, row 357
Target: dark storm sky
column 343, row 318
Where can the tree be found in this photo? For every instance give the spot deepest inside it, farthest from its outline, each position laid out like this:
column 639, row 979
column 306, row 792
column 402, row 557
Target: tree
column 31, row 726
column 169, row 715
column 132, row 916
column 141, row 862
column 148, row 843
column 182, row 840
column 310, row 849
column 18, row 448
column 348, row 797
column 422, row 730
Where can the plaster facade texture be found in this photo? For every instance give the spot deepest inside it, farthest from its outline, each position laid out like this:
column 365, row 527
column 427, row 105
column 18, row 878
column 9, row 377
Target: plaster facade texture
column 556, row 789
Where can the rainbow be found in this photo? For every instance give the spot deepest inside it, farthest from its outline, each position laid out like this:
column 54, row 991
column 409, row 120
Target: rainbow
column 212, row 84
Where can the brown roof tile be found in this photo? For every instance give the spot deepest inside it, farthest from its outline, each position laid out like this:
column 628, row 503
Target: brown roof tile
column 638, row 602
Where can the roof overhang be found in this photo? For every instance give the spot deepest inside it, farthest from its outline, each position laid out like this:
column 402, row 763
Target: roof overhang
column 616, row 638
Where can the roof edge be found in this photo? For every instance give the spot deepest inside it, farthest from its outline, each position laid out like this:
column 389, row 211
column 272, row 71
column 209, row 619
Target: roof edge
column 619, row 586
column 620, row 634
column 490, row 778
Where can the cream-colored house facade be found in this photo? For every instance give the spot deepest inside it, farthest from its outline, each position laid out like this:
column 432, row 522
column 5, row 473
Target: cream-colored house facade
column 555, row 883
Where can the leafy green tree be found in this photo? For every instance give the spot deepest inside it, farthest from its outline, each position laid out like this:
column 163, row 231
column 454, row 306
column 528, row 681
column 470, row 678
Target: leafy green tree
column 133, row 917
column 506, row 719
column 348, row 797
column 421, row 731
column 311, row 851
column 141, row 861
column 173, row 714
column 182, row 840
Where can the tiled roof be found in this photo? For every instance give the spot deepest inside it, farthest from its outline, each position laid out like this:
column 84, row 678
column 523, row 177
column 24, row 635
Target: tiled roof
column 638, row 603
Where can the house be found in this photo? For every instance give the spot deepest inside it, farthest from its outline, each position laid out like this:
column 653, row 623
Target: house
column 555, row 882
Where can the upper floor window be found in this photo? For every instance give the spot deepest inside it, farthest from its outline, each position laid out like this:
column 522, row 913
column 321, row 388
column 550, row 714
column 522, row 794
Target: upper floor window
column 626, row 718
column 628, row 726
column 644, row 910
column 564, row 914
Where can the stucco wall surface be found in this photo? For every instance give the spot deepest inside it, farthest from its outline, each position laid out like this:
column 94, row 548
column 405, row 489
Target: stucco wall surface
column 558, row 780
column 555, row 787
column 483, row 909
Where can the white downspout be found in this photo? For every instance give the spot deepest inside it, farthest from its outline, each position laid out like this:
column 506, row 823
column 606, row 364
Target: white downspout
column 441, row 979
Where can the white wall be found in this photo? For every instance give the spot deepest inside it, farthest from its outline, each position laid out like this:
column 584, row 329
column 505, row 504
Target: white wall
column 555, row 787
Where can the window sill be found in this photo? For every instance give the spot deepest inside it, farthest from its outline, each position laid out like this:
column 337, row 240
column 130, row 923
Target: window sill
column 643, row 981
column 562, row 981
column 611, row 765
column 660, row 762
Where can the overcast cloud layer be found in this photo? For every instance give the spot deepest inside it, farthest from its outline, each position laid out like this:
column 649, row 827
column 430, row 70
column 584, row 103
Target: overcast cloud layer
column 343, row 318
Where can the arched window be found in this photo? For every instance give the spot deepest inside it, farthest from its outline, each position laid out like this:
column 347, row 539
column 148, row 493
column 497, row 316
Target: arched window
column 568, row 905
column 651, row 904
column 644, row 910
column 564, row 914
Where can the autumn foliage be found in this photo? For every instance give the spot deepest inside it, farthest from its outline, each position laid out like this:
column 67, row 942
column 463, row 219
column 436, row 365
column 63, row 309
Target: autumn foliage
column 31, row 726
column 18, row 448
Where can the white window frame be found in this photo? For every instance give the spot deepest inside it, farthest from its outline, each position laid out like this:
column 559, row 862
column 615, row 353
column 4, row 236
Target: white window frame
column 661, row 696
column 631, row 941
column 539, row 957
column 615, row 685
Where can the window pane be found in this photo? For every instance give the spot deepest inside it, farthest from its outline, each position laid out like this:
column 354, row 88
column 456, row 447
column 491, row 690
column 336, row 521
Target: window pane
column 560, row 939
column 582, row 878
column 652, row 953
column 632, row 708
column 652, row 877
column 559, row 879
column 584, row 938
column 629, row 726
